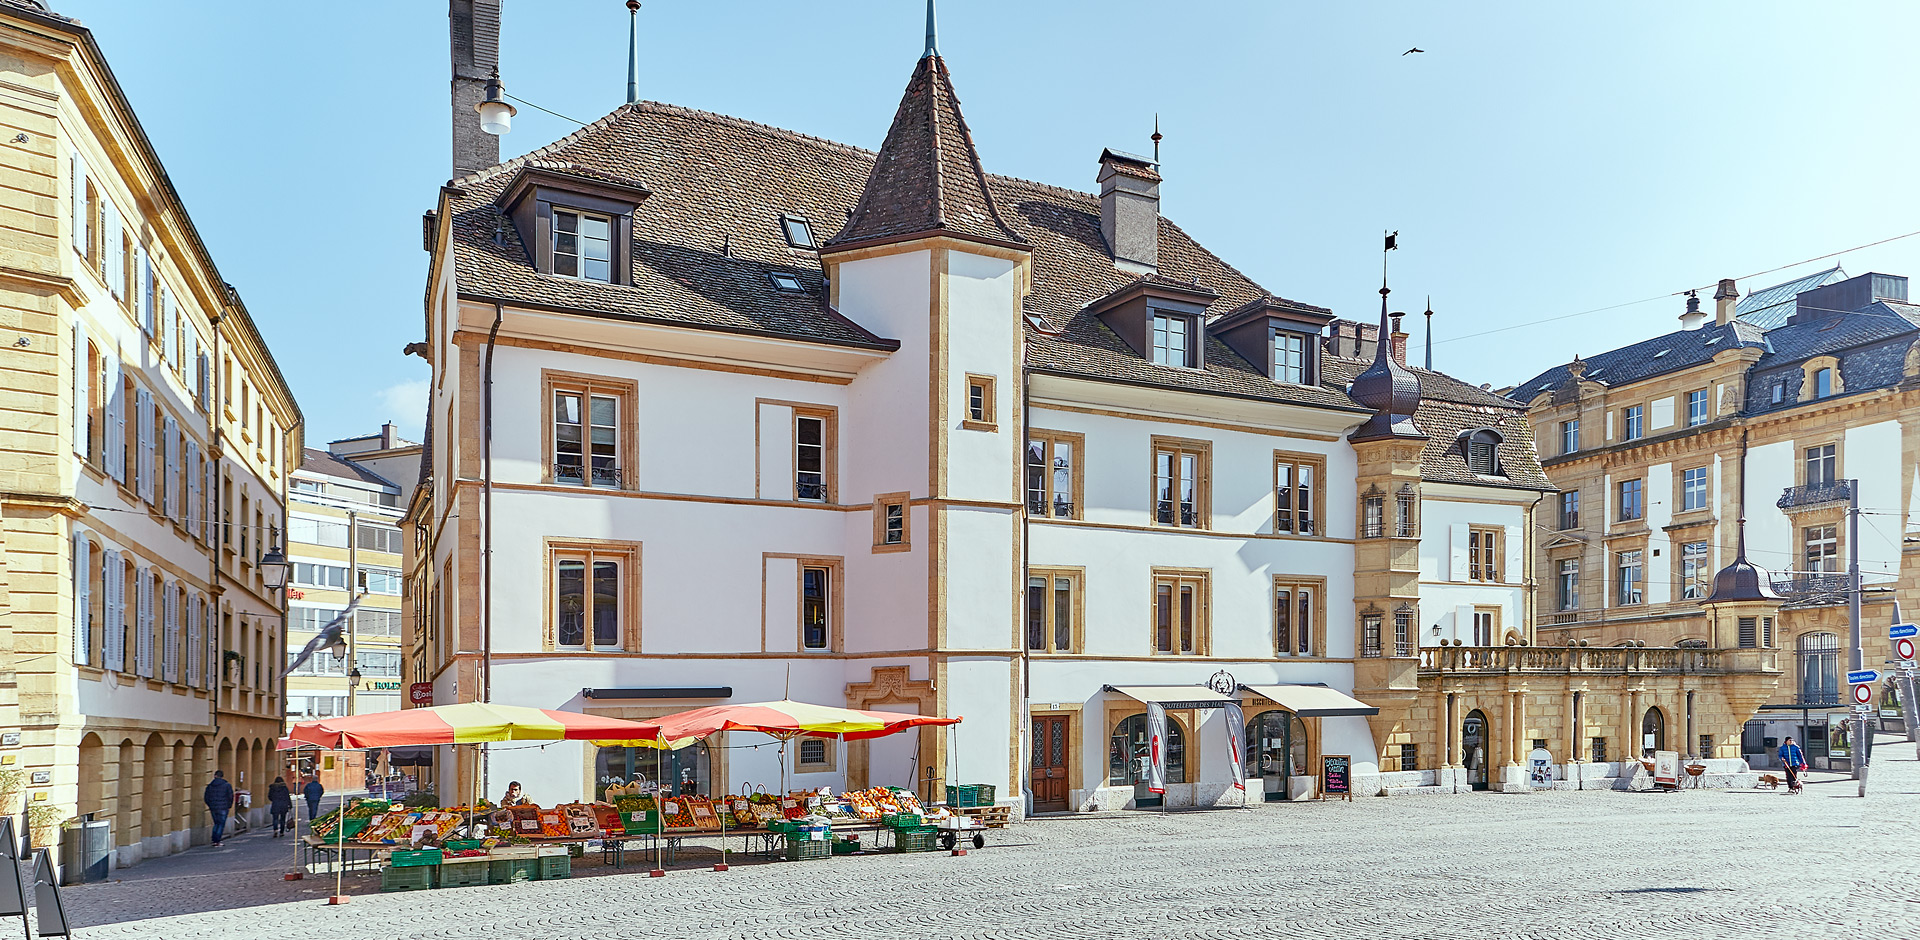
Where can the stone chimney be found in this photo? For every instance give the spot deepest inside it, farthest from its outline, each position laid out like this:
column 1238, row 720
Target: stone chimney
column 1693, row 318
column 474, row 33
column 1130, row 210
column 1398, row 338
column 1723, row 300
column 389, row 436
column 1351, row 339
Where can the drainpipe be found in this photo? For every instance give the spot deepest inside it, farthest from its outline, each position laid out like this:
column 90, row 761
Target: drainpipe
column 486, row 531
column 218, row 665
column 1026, row 541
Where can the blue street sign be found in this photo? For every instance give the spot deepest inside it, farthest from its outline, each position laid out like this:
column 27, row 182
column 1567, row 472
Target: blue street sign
column 1863, row 677
column 1902, row 630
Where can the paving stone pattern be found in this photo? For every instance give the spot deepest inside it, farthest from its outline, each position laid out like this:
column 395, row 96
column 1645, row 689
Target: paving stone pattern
column 1552, row 864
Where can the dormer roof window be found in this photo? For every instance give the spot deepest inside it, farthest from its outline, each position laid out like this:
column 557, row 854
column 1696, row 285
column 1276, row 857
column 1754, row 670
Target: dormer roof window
column 575, row 221
column 1164, row 320
column 786, row 283
column 1173, row 339
column 1279, row 337
column 1481, row 448
column 799, row 234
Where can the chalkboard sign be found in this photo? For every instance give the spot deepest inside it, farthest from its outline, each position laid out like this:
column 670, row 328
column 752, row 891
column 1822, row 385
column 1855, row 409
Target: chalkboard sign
column 1334, row 776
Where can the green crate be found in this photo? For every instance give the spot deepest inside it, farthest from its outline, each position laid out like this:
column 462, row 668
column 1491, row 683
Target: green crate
column 923, row 839
column 846, row 846
column 964, row 794
column 463, row 873
column 463, row 845
column 412, row 878
column 410, row 859
column 513, row 871
column 555, row 866
column 800, row 850
column 641, row 821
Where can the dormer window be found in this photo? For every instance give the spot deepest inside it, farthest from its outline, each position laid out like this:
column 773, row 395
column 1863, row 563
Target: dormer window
column 799, row 233
column 786, row 283
column 1173, row 339
column 1291, row 352
column 582, row 245
column 1482, row 450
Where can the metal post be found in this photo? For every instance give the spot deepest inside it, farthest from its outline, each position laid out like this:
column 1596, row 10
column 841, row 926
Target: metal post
column 1858, row 655
column 353, row 587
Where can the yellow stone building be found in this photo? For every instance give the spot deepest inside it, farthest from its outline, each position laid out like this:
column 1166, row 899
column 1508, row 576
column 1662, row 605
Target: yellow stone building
column 142, row 470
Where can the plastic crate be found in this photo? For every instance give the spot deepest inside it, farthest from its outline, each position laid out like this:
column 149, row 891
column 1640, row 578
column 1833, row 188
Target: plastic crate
column 640, row 822
column 513, row 871
column 463, row 845
column 462, row 874
column 408, row 859
column 556, row 866
column 923, row 839
column 411, row 878
column 969, row 794
column 846, row 846
column 800, row 850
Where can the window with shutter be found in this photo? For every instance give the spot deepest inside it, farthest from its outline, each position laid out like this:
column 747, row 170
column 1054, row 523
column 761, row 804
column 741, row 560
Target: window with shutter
column 194, row 649
column 170, row 484
column 80, row 240
column 170, row 632
column 82, row 376
column 210, row 676
column 147, row 313
column 210, row 491
column 143, row 460
column 113, row 645
column 82, row 598
column 116, row 430
column 143, row 623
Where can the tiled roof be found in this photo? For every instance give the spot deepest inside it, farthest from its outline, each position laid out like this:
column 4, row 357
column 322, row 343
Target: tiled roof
column 1769, row 307
column 326, row 464
column 927, row 177
column 1882, row 320
column 1449, row 407
column 1670, row 352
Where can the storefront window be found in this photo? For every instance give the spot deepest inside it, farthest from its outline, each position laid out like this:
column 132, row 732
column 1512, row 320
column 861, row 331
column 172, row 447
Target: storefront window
column 686, row 771
column 1127, row 753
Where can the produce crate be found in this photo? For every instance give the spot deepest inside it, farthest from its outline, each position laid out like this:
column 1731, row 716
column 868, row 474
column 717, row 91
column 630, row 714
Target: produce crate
column 457, row 873
column 923, row 839
column 970, row 794
column 409, row 859
column 641, row 821
column 846, row 846
column 799, row 850
column 556, row 866
column 412, row 878
column 463, row 845
column 513, row 871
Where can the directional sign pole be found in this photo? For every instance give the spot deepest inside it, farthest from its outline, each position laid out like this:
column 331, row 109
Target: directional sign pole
column 1909, row 708
column 1853, row 627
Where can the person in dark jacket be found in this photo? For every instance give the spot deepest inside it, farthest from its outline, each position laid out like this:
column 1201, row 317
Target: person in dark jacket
column 280, row 801
column 313, row 791
column 219, row 800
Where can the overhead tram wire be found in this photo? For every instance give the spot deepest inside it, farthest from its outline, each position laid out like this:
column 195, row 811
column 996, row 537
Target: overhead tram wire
column 548, row 110
column 1631, row 303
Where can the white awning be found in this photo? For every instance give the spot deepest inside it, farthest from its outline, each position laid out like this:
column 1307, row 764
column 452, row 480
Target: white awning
column 1172, row 696
column 1313, row 701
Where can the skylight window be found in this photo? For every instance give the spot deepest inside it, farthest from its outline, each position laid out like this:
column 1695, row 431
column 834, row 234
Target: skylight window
column 1661, row 353
column 799, row 233
column 786, row 283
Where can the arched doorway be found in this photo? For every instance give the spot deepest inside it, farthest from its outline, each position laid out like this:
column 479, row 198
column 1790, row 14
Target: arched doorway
column 153, row 802
column 1473, row 746
column 1653, row 732
column 1128, row 754
column 93, row 776
column 1277, row 744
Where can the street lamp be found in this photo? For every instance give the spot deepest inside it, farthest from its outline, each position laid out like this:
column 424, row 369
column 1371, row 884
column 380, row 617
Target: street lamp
column 496, row 115
column 353, row 678
column 274, row 569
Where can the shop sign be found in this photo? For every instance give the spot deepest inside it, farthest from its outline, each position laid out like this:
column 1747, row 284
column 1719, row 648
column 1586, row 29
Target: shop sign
column 1224, row 683
column 386, row 686
column 9, row 739
column 1666, row 769
column 1335, row 775
column 1540, row 769
column 420, row 693
column 1839, row 741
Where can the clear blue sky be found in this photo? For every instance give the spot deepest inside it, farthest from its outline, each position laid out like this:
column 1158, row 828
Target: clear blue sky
column 1538, row 159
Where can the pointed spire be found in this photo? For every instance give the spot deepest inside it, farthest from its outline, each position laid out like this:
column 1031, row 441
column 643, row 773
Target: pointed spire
column 1156, row 138
column 933, row 42
column 927, row 178
column 1429, row 332
column 633, row 51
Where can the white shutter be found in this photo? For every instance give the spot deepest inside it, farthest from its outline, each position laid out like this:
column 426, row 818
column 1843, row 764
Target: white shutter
column 1457, row 540
column 1463, row 623
column 203, row 383
column 115, row 433
column 82, row 597
column 143, row 623
column 170, row 650
column 210, row 491
column 212, row 674
column 79, row 204
column 113, row 646
column 143, row 457
column 193, row 641
column 146, row 293
column 171, row 491
column 81, row 378
column 192, row 473
column 116, row 258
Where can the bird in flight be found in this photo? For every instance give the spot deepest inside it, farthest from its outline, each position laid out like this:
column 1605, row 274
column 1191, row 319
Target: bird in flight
column 1412, row 51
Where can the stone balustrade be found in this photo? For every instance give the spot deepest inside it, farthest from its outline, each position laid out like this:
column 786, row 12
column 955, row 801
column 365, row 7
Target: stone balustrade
column 1611, row 660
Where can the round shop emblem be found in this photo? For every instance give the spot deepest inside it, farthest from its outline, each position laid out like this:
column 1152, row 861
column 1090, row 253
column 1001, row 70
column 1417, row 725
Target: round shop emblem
column 1223, row 683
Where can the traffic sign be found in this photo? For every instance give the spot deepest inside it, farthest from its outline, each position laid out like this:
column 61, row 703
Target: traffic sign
column 1863, row 677
column 1900, row 630
column 1862, row 694
column 1903, row 648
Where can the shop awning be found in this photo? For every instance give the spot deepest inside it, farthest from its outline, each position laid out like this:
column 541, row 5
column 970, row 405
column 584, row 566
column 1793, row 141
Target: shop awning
column 1313, row 701
column 1172, row 696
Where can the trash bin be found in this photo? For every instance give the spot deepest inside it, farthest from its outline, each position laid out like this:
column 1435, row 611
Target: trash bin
column 83, row 851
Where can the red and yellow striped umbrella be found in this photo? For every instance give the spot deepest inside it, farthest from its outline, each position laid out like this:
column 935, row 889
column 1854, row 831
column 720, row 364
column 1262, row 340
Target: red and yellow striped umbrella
column 783, row 719
column 466, row 723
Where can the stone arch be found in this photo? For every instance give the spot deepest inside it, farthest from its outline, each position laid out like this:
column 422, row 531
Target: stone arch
column 202, row 772
column 125, row 797
column 1654, row 728
column 92, row 797
column 183, row 788
column 1911, row 368
column 153, row 797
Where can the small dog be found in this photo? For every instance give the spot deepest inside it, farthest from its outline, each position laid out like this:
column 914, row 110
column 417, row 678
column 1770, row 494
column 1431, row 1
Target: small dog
column 1770, row 781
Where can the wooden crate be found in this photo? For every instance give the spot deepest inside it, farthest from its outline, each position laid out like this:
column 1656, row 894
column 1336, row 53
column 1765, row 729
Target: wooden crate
column 992, row 817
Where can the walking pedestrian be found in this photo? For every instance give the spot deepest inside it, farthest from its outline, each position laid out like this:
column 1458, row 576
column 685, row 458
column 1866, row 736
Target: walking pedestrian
column 1794, row 761
column 280, row 801
column 313, row 791
column 219, row 800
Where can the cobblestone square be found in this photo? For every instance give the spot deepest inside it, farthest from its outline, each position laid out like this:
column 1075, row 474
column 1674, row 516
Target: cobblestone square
column 1598, row 864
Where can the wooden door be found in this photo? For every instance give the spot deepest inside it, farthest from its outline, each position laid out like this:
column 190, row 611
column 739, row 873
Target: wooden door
column 1048, row 776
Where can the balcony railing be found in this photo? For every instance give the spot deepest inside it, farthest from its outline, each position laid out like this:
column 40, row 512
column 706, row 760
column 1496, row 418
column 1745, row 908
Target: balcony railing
column 1815, row 494
column 1806, row 584
column 1547, row 660
column 577, row 475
